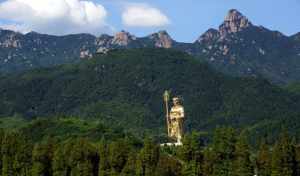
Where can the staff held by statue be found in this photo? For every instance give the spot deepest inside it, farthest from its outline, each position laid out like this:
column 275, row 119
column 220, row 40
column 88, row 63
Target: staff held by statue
column 166, row 100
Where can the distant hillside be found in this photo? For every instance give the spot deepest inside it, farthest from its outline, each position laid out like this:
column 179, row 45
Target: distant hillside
column 237, row 47
column 124, row 87
column 63, row 128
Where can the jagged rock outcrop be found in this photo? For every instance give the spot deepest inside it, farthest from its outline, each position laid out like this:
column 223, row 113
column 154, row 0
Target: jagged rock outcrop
column 162, row 39
column 103, row 40
column 122, row 38
column 102, row 50
column 85, row 54
column 296, row 37
column 234, row 22
column 10, row 39
column 208, row 36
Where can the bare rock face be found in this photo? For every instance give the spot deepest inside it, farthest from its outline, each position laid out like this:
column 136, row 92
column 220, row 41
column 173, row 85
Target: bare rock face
column 234, row 22
column 209, row 35
column 104, row 40
column 162, row 39
column 102, row 50
column 122, row 38
column 85, row 54
column 11, row 41
column 296, row 36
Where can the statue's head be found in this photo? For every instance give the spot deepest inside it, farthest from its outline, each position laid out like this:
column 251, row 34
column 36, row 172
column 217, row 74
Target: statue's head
column 176, row 101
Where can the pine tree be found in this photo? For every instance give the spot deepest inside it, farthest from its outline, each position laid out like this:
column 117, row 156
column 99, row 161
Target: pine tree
column 208, row 161
column 119, row 151
column 2, row 135
column 80, row 159
column 191, row 147
column 190, row 152
column 298, row 159
column 283, row 157
column 82, row 168
column 16, row 154
column 130, row 167
column 59, row 166
column 42, row 157
column 263, row 160
column 223, row 147
column 104, row 167
column 242, row 165
column 169, row 165
column 148, row 158
column 192, row 168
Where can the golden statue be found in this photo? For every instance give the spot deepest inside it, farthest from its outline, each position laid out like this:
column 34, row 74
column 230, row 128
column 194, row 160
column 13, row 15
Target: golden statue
column 175, row 118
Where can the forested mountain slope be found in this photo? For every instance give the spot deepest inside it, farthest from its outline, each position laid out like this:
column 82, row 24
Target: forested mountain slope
column 124, row 87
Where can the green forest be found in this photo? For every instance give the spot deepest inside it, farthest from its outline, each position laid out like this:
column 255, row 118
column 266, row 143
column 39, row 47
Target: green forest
column 227, row 154
column 125, row 87
column 105, row 116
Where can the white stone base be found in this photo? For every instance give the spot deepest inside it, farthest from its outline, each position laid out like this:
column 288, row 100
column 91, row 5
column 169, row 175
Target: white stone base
column 171, row 144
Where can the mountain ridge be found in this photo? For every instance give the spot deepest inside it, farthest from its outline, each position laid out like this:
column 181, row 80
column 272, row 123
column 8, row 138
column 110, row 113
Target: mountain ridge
column 237, row 47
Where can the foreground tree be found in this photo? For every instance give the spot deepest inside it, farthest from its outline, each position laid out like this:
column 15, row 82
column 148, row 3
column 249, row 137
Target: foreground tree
column 283, row 157
column 82, row 159
column 298, row 159
column 42, row 157
column 59, row 166
column 119, row 153
column 223, row 148
column 130, row 167
column 104, row 166
column 148, row 158
column 263, row 161
column 192, row 155
column 208, row 161
column 16, row 155
column 242, row 165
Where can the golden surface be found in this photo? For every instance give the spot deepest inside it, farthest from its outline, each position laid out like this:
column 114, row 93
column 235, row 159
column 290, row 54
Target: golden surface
column 176, row 120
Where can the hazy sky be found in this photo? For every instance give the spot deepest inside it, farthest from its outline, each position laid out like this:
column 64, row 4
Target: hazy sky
column 185, row 20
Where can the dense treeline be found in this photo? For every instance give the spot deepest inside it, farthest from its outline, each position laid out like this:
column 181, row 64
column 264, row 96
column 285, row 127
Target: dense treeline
column 228, row 154
column 63, row 128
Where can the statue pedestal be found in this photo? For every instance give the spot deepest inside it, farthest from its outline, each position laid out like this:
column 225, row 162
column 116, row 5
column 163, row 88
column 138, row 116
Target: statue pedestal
column 171, row 144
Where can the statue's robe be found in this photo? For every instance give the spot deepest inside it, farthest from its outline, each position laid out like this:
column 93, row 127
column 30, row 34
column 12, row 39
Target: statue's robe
column 176, row 125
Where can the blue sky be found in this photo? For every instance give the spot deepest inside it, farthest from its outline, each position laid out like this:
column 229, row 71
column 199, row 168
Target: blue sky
column 185, row 20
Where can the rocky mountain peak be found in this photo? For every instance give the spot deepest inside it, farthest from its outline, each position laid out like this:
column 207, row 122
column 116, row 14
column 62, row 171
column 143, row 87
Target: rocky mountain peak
column 10, row 39
column 162, row 39
column 103, row 40
column 296, row 36
column 123, row 38
column 163, row 32
column 233, row 14
column 209, row 35
column 234, row 22
column 32, row 33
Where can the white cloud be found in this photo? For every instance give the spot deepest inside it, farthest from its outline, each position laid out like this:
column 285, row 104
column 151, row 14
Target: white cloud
column 143, row 15
column 54, row 16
